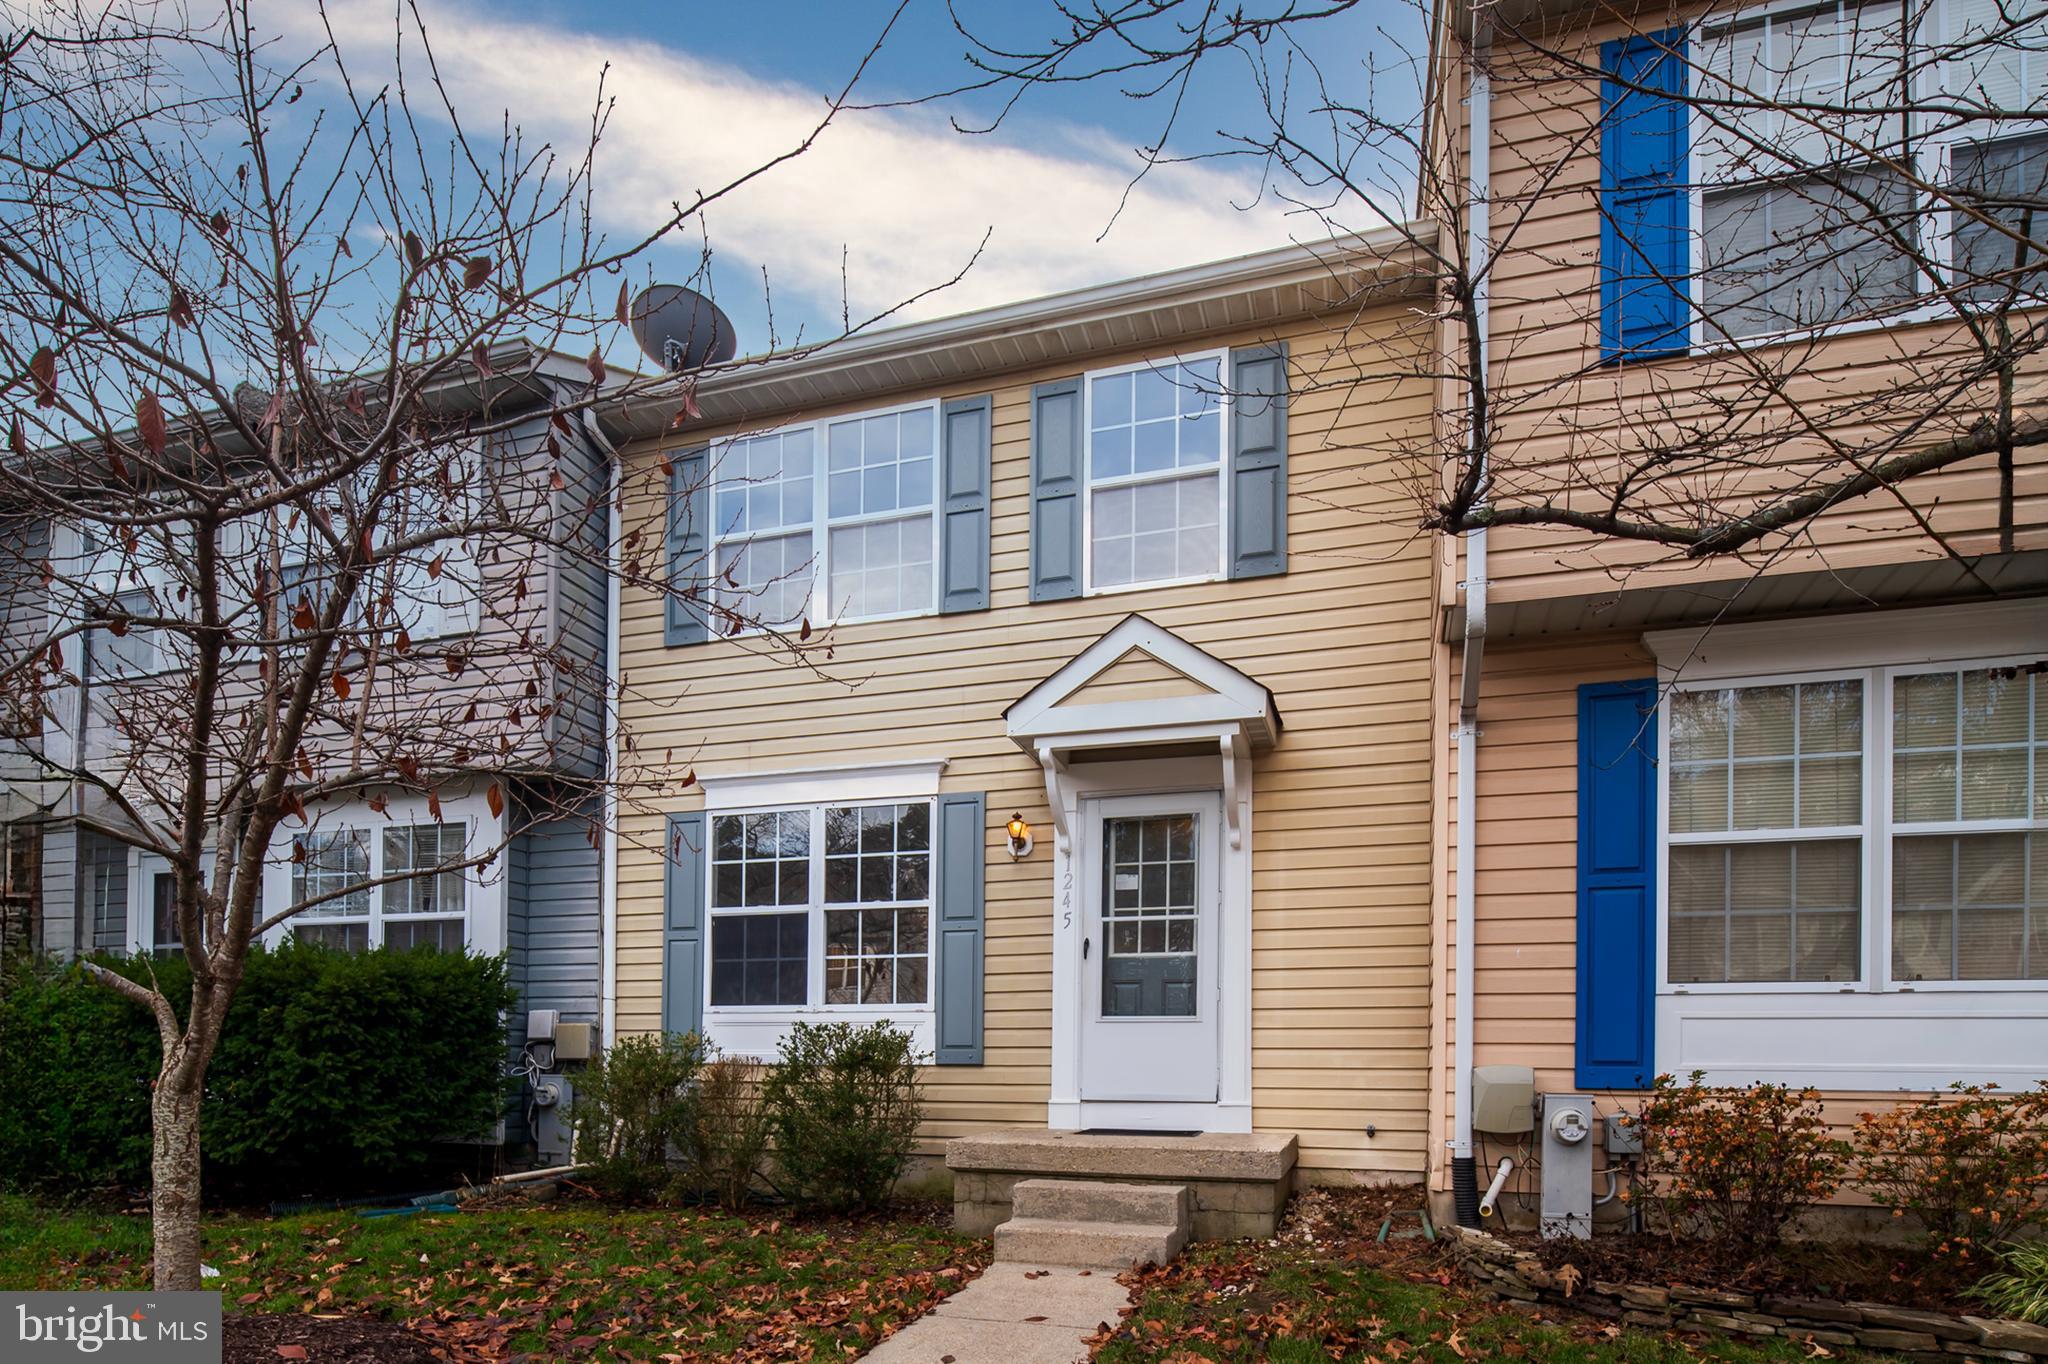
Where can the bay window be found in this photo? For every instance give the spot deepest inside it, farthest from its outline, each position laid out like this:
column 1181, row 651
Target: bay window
column 821, row 907
column 828, row 521
column 1154, row 461
column 1878, row 831
column 429, row 908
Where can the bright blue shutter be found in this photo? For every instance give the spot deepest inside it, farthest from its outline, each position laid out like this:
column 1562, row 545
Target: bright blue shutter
column 682, row 955
column 1617, row 958
column 1056, row 455
column 963, row 505
column 1258, row 461
column 1644, row 210
column 962, row 844
column 688, row 548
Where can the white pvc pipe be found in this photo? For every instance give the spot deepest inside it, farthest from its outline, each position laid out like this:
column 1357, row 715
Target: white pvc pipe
column 1500, row 1179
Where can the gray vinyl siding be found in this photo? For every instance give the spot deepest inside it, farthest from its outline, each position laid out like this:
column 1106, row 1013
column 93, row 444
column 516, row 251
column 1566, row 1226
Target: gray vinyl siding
column 580, row 608
column 60, row 890
column 556, row 894
column 103, row 890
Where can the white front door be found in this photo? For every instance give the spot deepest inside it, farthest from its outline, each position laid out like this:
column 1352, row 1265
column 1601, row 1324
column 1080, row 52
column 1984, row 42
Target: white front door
column 1148, row 868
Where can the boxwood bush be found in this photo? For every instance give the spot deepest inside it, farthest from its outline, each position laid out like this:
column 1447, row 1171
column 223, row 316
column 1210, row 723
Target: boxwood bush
column 336, row 1072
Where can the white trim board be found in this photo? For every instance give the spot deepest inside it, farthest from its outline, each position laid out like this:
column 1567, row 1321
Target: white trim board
column 1232, row 695
column 910, row 778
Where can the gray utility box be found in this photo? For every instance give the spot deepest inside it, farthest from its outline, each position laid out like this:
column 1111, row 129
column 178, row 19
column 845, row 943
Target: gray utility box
column 1624, row 1135
column 554, row 1122
column 1503, row 1099
column 1566, row 1123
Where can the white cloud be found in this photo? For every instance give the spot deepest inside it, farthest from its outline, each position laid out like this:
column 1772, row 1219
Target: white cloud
column 905, row 196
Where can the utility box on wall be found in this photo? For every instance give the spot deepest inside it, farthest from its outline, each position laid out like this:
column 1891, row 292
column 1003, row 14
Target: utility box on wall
column 1503, row 1099
column 1567, row 1144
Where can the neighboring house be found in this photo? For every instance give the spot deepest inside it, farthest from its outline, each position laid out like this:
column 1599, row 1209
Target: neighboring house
column 1777, row 819
column 542, row 638
column 1136, row 564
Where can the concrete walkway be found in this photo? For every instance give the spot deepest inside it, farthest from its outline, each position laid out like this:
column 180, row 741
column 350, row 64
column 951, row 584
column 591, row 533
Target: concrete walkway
column 1013, row 1314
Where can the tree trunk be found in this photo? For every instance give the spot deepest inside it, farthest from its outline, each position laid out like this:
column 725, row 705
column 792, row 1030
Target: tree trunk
column 174, row 1171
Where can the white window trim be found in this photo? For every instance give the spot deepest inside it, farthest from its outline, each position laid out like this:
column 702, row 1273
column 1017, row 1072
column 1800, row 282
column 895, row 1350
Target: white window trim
column 1224, row 409
column 1918, row 1036
column 1937, row 222
column 819, row 608
column 759, row 1029
column 484, row 890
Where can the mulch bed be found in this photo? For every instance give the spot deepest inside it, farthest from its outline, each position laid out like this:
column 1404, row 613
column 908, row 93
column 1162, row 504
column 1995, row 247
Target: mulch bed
column 1849, row 1271
column 269, row 1339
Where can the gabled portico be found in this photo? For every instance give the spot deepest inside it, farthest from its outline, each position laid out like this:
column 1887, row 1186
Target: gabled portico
column 1147, row 744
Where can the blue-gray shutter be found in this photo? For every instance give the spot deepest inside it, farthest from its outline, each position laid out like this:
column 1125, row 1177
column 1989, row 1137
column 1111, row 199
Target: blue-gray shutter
column 682, row 950
column 1258, row 461
column 962, row 844
column 964, row 504
column 689, row 542
column 1056, row 475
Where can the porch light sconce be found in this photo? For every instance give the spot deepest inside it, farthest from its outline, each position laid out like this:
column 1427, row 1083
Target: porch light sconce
column 1020, row 838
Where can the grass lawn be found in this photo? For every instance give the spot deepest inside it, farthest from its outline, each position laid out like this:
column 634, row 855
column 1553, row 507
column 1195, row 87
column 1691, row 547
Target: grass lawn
column 553, row 1281
column 1340, row 1296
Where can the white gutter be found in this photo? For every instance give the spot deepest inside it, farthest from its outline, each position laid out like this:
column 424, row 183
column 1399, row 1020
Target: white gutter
column 608, row 858
column 1479, row 247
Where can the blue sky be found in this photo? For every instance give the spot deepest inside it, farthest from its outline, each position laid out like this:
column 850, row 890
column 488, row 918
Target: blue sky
column 891, row 202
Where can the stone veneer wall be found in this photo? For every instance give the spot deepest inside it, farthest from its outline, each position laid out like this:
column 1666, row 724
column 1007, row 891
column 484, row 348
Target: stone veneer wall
column 1504, row 1271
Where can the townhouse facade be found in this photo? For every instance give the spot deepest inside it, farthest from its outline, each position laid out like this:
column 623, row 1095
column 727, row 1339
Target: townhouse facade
column 531, row 618
column 1113, row 567
column 1779, row 816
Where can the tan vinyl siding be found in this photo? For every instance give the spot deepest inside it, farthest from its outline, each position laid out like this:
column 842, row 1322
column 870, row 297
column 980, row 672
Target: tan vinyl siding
column 1565, row 421
column 1341, row 833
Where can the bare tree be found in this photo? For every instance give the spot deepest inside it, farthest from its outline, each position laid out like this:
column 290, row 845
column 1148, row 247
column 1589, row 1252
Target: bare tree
column 302, row 368
column 1851, row 268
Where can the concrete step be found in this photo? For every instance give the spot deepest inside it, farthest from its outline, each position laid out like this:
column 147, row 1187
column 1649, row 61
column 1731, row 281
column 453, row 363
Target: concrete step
column 1088, row 1200
column 1088, row 1245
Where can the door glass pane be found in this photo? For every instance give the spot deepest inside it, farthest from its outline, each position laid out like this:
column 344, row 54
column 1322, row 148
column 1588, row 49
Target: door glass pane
column 1150, row 916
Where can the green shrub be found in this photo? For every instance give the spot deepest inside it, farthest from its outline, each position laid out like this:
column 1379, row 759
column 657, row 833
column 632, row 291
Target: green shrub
column 844, row 1104
column 726, row 1132
column 335, row 1071
column 2020, row 1289
column 1970, row 1164
column 632, row 1104
column 1735, row 1165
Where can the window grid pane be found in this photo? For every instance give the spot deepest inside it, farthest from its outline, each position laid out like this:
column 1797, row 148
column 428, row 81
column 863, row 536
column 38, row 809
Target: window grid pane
column 417, row 847
column 333, row 860
column 761, row 860
column 1755, row 912
column 1761, row 758
column 882, row 568
column 1966, row 745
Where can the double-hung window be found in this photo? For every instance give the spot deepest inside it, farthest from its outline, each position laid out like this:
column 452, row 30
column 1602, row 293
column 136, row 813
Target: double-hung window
column 1881, row 830
column 1155, row 508
column 427, row 907
column 831, row 521
column 822, row 907
column 1810, row 123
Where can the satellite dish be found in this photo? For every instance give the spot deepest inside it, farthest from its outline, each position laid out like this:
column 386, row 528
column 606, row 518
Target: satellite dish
column 680, row 329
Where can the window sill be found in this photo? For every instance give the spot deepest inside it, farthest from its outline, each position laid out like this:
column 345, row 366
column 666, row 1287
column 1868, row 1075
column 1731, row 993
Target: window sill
column 1153, row 584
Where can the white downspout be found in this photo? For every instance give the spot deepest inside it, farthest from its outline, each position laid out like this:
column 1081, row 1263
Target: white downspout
column 608, row 870
column 1479, row 144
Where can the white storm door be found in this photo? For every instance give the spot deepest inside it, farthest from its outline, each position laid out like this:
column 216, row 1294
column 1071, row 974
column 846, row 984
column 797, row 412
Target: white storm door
column 1149, row 874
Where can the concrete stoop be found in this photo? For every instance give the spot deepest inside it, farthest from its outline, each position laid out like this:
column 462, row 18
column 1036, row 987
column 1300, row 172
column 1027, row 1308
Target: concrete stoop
column 1229, row 1185
column 1094, row 1224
